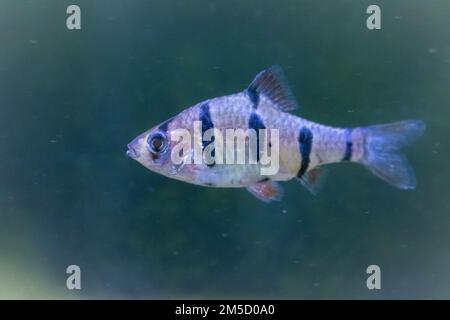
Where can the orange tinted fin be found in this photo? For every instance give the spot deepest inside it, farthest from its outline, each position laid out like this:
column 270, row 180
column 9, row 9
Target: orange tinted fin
column 313, row 179
column 267, row 191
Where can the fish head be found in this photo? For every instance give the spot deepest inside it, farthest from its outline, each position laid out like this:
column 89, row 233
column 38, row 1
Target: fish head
column 154, row 149
column 151, row 149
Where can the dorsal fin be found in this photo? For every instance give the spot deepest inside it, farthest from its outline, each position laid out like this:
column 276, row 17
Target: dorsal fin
column 272, row 84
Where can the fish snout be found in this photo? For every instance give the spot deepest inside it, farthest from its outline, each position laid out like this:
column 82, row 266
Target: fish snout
column 131, row 152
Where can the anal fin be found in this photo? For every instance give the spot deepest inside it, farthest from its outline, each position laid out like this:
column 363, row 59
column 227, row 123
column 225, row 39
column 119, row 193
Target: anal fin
column 313, row 179
column 267, row 191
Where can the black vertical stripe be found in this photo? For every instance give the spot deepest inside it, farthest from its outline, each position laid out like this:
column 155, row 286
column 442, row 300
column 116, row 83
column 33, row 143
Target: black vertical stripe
column 348, row 145
column 305, row 139
column 163, row 127
column 256, row 123
column 253, row 95
column 205, row 118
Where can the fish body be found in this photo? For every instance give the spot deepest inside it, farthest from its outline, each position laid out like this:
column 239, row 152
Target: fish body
column 303, row 147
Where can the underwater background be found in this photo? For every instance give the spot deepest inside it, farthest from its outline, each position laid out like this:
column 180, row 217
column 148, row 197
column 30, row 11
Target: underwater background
column 70, row 101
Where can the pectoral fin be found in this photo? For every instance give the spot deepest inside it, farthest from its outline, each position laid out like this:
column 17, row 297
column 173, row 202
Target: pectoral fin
column 267, row 191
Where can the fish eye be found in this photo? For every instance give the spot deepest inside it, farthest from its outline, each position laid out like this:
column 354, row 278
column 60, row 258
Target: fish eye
column 157, row 143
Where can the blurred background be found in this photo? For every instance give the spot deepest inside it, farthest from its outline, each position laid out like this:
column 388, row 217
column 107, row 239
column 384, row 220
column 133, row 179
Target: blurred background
column 70, row 101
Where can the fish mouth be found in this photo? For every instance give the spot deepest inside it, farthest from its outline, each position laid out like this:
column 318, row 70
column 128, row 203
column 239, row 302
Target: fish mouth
column 131, row 152
column 134, row 146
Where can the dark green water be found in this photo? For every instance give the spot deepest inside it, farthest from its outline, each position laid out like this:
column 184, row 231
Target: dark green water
column 70, row 101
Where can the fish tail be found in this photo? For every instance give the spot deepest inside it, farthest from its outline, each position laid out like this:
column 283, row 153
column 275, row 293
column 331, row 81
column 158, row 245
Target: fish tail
column 382, row 151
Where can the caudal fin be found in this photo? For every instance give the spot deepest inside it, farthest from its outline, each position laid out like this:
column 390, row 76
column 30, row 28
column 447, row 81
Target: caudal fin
column 382, row 153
